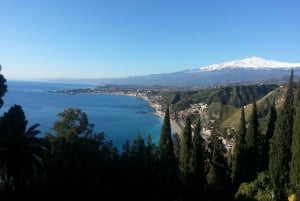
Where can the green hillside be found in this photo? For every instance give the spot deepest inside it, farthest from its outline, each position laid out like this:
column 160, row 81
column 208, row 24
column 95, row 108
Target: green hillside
column 230, row 95
column 231, row 119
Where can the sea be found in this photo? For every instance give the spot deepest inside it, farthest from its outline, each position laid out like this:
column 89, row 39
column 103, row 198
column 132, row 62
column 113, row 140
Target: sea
column 121, row 118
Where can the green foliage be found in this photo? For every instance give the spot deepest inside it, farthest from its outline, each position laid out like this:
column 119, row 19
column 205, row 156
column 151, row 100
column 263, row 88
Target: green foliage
column 192, row 97
column 166, row 152
column 240, row 95
column 251, row 138
column 177, row 145
column 229, row 95
column 238, row 158
column 81, row 162
column 280, row 145
column 257, row 190
column 252, row 147
column 197, row 163
column 197, row 156
column 72, row 124
column 167, row 164
column 3, row 88
column 272, row 116
column 84, row 163
column 20, row 149
column 218, row 179
column 185, row 150
column 295, row 160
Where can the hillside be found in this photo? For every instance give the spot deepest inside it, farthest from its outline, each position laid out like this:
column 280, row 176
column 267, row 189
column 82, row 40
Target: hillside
column 235, row 96
column 224, row 103
column 232, row 118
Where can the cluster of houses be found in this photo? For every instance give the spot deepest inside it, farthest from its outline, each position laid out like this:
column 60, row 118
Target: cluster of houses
column 207, row 122
column 178, row 118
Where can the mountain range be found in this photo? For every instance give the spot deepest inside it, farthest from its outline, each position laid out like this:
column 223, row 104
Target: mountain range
column 248, row 70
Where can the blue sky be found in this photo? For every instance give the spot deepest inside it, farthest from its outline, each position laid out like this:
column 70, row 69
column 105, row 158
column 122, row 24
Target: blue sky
column 119, row 38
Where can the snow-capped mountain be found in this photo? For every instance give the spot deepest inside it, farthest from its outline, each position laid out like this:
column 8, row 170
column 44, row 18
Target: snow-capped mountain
column 245, row 71
column 250, row 62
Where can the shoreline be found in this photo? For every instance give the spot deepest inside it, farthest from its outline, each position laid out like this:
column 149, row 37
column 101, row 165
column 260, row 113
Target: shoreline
column 175, row 127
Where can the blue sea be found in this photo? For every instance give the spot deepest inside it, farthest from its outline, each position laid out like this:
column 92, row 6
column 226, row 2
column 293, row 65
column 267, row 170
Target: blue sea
column 119, row 117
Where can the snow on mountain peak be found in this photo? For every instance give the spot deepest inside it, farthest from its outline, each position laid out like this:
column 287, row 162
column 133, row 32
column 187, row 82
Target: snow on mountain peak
column 249, row 62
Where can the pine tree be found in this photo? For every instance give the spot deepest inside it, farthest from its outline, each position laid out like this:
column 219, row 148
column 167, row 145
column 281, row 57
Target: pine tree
column 280, row 145
column 197, row 163
column 252, row 145
column 295, row 163
column 185, row 151
column 238, row 161
column 73, row 123
column 272, row 116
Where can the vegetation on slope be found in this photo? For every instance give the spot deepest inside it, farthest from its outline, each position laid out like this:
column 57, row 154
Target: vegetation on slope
column 229, row 95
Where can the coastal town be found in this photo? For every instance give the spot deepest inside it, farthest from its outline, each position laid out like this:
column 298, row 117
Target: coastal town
column 177, row 118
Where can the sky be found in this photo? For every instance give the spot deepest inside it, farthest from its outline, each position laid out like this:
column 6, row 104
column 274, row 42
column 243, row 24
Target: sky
column 43, row 39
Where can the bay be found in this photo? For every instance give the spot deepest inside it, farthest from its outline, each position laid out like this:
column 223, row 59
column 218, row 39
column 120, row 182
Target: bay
column 119, row 117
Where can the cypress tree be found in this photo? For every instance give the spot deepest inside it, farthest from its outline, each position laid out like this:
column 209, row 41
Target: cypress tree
column 167, row 166
column 295, row 163
column 272, row 116
column 166, row 152
column 280, row 145
column 251, row 138
column 218, row 179
column 185, row 150
column 251, row 145
column 238, row 166
column 242, row 128
column 198, row 128
column 197, row 163
column 176, row 145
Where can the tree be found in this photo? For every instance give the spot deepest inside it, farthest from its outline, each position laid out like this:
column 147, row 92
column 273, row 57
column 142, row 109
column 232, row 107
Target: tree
column 185, row 151
column 197, row 164
column 257, row 190
column 81, row 162
column 251, row 138
column 73, row 123
column 280, row 145
column 150, row 157
column 238, row 158
column 167, row 165
column 272, row 116
column 295, row 161
column 252, row 143
column 3, row 87
column 20, row 148
column 166, row 152
column 138, row 145
column 218, row 179
column 176, row 145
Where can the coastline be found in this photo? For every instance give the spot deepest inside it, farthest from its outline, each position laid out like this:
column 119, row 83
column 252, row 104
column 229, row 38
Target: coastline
column 175, row 127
